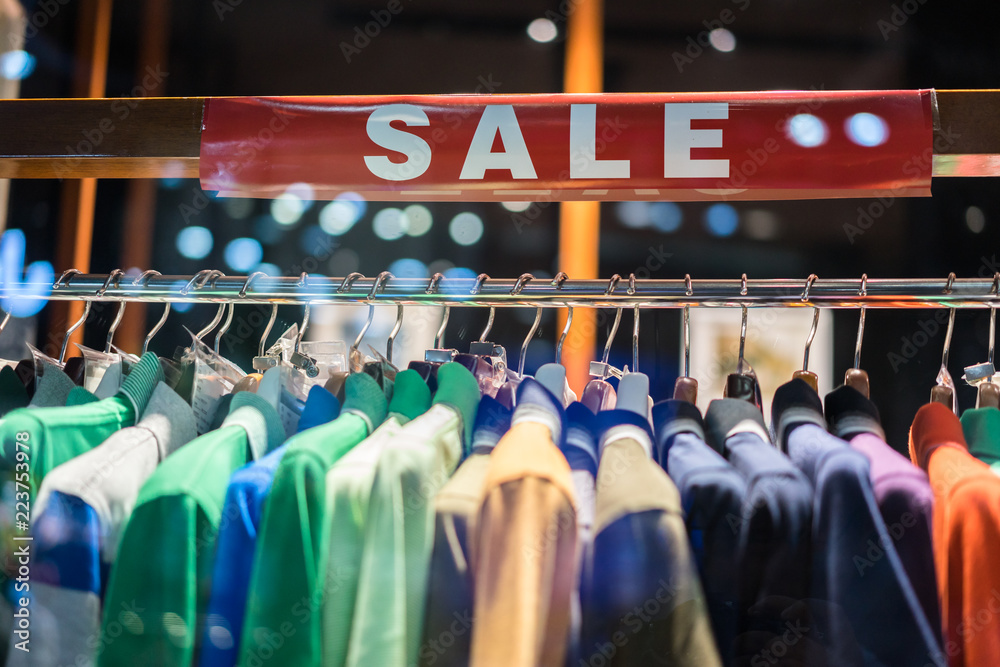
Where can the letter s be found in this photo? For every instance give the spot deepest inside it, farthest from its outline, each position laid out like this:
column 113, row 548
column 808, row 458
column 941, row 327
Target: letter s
column 416, row 150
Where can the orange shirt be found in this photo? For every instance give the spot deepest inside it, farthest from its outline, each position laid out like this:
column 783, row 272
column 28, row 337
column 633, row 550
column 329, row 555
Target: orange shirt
column 966, row 536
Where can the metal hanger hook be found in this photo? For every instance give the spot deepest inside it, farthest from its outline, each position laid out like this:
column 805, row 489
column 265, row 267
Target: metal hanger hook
column 527, row 339
column 476, row 289
column 741, row 361
column 376, row 286
column 523, row 280
column 205, row 276
column 951, row 325
column 815, row 322
column 143, row 279
column 349, row 280
column 391, row 339
column 66, row 276
column 863, row 291
column 76, row 325
column 635, row 340
column 558, row 281
column 612, row 284
column 199, row 279
column 303, row 282
column 250, row 279
column 993, row 316
column 224, row 328
column 114, row 277
column 432, row 288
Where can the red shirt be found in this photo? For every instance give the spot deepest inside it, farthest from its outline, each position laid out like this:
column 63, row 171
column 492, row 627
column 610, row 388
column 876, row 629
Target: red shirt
column 966, row 536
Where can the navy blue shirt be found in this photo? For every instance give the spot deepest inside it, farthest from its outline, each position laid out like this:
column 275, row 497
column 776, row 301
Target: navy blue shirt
column 712, row 493
column 874, row 614
column 774, row 522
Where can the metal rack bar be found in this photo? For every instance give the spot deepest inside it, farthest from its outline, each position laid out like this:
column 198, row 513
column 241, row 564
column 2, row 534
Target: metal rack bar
column 829, row 293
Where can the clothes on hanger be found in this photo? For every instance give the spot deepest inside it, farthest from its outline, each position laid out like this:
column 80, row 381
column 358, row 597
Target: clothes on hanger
column 859, row 629
column 414, row 465
column 81, row 512
column 349, row 483
column 712, row 497
column 902, row 491
column 640, row 559
column 56, row 435
column 439, row 527
column 524, row 541
column 156, row 587
column 450, row 599
column 293, row 538
column 966, row 534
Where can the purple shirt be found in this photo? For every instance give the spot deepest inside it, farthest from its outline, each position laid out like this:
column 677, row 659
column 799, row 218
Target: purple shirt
column 906, row 502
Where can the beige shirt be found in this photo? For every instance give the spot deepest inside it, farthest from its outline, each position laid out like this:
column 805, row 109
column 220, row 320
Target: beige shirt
column 524, row 553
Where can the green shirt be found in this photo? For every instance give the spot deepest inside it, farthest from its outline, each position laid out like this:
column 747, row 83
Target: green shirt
column 48, row 437
column 162, row 578
column 392, row 588
column 283, row 622
column 981, row 427
column 349, row 485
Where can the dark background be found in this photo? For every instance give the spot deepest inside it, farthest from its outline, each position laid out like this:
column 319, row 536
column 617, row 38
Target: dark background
column 258, row 47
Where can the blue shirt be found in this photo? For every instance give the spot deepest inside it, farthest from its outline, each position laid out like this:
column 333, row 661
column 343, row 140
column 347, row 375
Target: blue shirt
column 712, row 493
column 241, row 515
column 855, row 565
column 775, row 519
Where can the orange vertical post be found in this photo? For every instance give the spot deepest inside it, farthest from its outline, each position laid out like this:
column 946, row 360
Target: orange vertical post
column 140, row 202
column 580, row 221
column 76, row 215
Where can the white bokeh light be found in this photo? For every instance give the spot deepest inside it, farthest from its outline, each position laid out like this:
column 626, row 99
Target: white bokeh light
column 466, row 228
column 390, row 224
column 807, row 130
column 542, row 30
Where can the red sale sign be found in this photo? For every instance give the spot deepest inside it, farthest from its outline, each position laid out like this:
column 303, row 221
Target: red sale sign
column 607, row 147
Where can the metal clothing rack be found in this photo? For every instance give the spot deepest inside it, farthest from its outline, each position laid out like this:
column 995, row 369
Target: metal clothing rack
column 525, row 291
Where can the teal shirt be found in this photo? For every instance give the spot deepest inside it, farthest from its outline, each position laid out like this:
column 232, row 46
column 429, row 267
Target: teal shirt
column 981, row 427
column 49, row 437
column 349, row 484
column 415, row 464
column 283, row 620
column 161, row 580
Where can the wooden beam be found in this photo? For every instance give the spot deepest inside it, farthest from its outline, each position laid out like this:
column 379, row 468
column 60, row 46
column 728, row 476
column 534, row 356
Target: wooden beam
column 147, row 137
column 141, row 137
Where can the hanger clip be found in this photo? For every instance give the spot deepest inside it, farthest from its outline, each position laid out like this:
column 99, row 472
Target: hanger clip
column 305, row 362
column 978, row 373
column 264, row 362
column 599, row 369
column 440, row 356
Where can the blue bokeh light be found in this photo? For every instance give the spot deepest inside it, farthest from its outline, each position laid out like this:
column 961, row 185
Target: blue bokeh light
column 721, row 220
column 867, row 129
column 195, row 242
column 243, row 254
column 807, row 130
column 666, row 216
column 408, row 268
column 16, row 65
